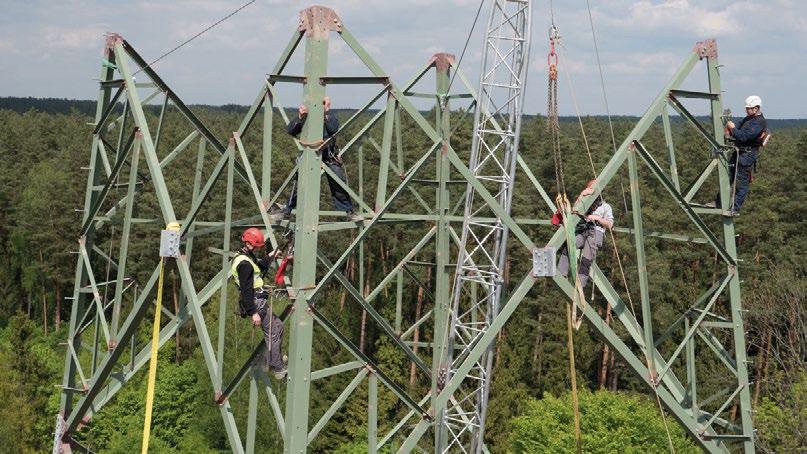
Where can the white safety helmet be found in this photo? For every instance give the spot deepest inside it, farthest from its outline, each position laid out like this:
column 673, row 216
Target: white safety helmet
column 753, row 101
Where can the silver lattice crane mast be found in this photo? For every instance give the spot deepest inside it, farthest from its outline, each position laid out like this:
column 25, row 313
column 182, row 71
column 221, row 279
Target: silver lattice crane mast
column 479, row 275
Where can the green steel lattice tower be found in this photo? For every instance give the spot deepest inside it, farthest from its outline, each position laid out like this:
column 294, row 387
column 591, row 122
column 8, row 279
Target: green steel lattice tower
column 102, row 354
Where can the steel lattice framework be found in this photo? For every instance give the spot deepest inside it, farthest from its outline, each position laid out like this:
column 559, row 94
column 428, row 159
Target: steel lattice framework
column 483, row 246
column 129, row 155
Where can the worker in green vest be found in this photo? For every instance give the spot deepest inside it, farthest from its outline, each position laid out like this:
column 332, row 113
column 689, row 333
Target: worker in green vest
column 247, row 270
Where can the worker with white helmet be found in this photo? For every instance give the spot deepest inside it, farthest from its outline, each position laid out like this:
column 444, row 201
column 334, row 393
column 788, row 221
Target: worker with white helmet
column 748, row 135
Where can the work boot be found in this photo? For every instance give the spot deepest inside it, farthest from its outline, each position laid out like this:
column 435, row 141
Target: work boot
column 280, row 374
column 353, row 217
column 710, row 205
column 280, row 213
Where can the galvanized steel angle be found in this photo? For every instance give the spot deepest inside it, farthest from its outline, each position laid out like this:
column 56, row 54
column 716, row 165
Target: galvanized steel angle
column 337, row 404
column 105, row 368
column 182, row 146
column 667, row 396
column 350, row 192
column 491, row 201
column 179, row 104
column 166, row 333
column 201, row 199
column 653, row 165
column 695, row 325
column 273, row 403
column 108, row 110
column 360, row 237
column 262, row 205
column 691, row 119
column 717, row 347
column 101, row 197
column 342, row 339
column 686, row 313
column 471, row 358
column 380, row 320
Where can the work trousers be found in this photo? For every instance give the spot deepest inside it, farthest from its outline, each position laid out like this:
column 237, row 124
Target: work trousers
column 272, row 334
column 588, row 242
column 740, row 167
column 340, row 197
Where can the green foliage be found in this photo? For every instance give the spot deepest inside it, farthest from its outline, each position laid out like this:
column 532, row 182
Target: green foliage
column 610, row 422
column 179, row 399
column 29, row 366
column 359, row 446
column 42, row 183
column 781, row 419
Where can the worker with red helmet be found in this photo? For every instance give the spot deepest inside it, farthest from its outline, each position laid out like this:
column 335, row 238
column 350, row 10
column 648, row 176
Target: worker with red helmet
column 247, row 270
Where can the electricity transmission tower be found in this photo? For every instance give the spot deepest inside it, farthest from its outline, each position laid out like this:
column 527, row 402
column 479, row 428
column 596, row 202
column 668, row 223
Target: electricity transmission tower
column 130, row 170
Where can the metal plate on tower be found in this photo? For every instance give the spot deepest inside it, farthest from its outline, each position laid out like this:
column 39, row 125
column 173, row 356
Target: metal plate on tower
column 543, row 262
column 169, row 243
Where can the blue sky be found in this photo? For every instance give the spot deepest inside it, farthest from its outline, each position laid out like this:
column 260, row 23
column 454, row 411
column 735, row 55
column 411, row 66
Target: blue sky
column 53, row 48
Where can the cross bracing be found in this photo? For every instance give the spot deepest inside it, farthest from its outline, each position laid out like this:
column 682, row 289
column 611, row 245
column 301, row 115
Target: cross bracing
column 127, row 159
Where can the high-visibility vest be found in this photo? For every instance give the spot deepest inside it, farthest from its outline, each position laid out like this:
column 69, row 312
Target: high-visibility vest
column 257, row 280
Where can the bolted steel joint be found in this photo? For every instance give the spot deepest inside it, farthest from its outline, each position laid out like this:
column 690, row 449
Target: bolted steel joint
column 317, row 21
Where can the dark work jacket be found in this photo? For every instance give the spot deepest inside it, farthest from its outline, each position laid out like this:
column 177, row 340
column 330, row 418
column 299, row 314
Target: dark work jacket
column 748, row 130
column 330, row 127
column 245, row 280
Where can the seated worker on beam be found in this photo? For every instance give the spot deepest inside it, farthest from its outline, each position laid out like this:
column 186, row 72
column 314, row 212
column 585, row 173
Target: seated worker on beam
column 589, row 235
column 330, row 157
column 247, row 270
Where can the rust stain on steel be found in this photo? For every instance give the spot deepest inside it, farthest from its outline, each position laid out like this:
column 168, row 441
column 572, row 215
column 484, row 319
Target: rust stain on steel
column 317, row 20
column 442, row 60
column 110, row 39
column 706, row 49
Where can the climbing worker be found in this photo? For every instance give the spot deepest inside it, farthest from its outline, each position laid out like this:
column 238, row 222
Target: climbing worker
column 589, row 234
column 330, row 157
column 750, row 134
column 247, row 270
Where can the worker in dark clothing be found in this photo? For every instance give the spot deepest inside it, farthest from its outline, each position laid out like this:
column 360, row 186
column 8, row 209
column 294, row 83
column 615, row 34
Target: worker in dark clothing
column 247, row 270
column 330, row 157
column 748, row 135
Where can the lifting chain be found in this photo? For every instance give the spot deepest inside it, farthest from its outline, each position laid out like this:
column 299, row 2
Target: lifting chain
column 553, row 121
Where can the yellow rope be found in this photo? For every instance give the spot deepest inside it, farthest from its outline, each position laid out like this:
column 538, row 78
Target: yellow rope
column 155, row 341
column 578, row 437
column 610, row 231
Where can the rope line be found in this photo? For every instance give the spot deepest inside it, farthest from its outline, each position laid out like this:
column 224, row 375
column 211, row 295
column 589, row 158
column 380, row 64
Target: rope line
column 180, row 45
column 602, row 78
column 465, row 47
column 578, row 436
column 155, row 346
column 653, row 378
column 564, row 207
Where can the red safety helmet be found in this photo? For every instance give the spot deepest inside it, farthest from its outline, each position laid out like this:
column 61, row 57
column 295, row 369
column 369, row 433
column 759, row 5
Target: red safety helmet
column 253, row 237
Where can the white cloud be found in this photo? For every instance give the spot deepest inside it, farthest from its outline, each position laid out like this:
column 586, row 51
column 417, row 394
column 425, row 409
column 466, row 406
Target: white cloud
column 6, row 46
column 677, row 15
column 640, row 43
column 72, row 38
